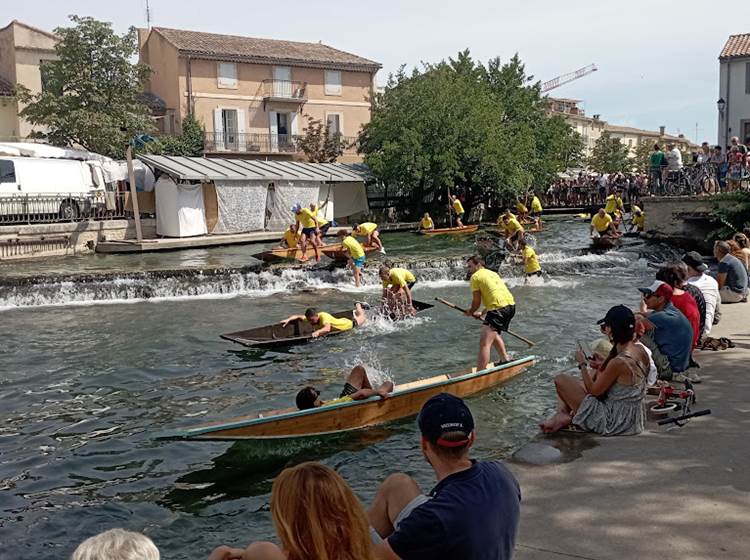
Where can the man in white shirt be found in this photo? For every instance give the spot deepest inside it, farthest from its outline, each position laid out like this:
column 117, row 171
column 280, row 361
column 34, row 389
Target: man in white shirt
column 674, row 158
column 707, row 285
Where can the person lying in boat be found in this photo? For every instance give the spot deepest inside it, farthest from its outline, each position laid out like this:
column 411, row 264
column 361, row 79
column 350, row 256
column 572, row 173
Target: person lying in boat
column 426, row 224
column 291, row 237
column 397, row 285
column 356, row 388
column 326, row 323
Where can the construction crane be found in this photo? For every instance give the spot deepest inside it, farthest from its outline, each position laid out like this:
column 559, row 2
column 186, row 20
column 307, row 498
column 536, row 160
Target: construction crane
column 567, row 78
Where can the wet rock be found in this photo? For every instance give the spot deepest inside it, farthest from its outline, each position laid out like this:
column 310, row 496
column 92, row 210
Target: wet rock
column 538, row 454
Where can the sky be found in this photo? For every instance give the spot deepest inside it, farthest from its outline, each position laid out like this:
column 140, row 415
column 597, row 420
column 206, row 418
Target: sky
column 658, row 62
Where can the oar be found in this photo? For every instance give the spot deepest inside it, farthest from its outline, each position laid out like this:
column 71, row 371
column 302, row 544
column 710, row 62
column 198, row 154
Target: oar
column 511, row 333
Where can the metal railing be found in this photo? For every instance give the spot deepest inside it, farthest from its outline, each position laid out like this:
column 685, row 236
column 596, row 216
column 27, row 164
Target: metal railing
column 264, row 143
column 285, row 89
column 60, row 208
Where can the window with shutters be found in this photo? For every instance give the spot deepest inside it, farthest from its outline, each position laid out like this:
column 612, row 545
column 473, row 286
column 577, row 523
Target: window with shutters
column 227, row 75
column 335, row 126
column 333, row 82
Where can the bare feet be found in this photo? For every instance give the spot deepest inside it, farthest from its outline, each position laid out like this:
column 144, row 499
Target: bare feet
column 555, row 423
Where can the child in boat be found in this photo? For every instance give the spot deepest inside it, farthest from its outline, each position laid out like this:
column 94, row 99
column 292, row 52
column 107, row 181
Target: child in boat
column 356, row 388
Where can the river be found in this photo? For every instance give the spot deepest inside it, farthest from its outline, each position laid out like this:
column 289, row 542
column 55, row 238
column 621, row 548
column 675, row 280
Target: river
column 101, row 352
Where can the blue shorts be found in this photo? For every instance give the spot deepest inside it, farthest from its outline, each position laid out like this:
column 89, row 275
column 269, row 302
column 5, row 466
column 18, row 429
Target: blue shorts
column 308, row 231
column 359, row 262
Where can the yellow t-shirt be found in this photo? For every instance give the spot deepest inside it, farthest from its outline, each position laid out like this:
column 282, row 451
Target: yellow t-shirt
column 601, row 223
column 291, row 238
column 635, row 208
column 337, row 323
column 536, row 204
column 399, row 277
column 639, row 222
column 458, row 207
column 356, row 250
column 512, row 226
column 321, row 220
column 613, row 203
column 495, row 293
column 521, row 208
column 338, row 401
column 531, row 260
column 426, row 223
column 366, row 229
column 306, row 218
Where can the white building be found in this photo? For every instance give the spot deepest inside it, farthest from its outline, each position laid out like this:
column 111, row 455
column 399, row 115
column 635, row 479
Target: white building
column 734, row 89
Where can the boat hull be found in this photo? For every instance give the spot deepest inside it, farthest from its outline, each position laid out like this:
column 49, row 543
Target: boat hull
column 336, row 252
column 606, row 242
column 404, row 402
column 451, row 231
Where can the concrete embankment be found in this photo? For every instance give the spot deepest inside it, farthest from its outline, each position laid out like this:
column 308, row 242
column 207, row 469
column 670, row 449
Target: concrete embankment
column 680, row 493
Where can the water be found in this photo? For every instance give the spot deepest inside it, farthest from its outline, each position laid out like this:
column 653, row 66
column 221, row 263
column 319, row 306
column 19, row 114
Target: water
column 100, row 353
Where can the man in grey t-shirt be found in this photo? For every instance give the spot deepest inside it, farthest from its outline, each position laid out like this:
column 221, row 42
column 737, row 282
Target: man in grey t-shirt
column 732, row 276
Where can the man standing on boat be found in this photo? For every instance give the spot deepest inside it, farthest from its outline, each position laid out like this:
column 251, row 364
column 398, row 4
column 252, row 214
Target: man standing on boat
column 306, row 219
column 325, row 322
column 472, row 512
column 397, row 285
column 458, row 208
column 488, row 289
column 536, row 210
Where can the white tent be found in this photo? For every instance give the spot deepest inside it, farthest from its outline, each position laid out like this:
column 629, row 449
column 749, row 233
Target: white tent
column 181, row 211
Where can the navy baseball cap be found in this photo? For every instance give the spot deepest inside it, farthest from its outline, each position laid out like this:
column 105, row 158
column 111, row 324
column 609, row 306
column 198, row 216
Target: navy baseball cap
column 618, row 315
column 442, row 414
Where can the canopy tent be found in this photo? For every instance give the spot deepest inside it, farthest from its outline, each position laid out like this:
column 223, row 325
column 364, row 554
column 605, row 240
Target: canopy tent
column 251, row 195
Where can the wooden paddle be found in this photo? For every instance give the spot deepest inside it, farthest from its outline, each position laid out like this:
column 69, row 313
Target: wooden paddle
column 511, row 333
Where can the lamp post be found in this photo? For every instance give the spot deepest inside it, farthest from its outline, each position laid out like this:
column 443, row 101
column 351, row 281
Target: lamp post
column 721, row 105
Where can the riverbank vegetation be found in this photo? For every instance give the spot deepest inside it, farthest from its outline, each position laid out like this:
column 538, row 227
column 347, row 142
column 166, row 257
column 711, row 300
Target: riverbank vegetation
column 482, row 130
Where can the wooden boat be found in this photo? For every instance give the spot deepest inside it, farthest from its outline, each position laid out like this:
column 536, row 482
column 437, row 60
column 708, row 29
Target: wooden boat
column 336, row 251
column 501, row 231
column 406, row 400
column 605, row 242
column 280, row 254
column 295, row 332
column 451, row 230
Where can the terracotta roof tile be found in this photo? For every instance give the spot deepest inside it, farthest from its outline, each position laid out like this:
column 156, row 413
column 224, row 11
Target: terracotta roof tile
column 737, row 45
column 213, row 45
column 6, row 88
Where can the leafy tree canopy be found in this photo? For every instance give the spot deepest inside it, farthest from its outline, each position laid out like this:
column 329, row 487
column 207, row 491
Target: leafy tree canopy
column 92, row 92
column 189, row 143
column 609, row 155
column 319, row 143
column 481, row 130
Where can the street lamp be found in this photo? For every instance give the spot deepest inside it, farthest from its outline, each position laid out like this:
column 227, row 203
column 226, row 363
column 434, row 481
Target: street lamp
column 721, row 104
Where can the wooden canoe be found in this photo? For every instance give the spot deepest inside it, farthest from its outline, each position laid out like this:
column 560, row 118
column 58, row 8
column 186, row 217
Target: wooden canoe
column 605, row 242
column 295, row 332
column 336, row 252
column 451, row 231
column 405, row 401
column 501, row 231
column 280, row 254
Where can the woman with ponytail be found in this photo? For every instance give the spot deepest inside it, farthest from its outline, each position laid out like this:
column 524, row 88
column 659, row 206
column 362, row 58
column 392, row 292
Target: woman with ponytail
column 608, row 400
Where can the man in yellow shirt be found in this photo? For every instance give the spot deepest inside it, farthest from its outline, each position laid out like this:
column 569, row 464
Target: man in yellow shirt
column 308, row 221
column 324, row 323
column 323, row 224
column 426, row 224
column 521, row 209
column 369, row 230
column 603, row 224
column 356, row 388
column 614, row 202
column 488, row 289
column 397, row 285
column 457, row 208
column 513, row 231
column 291, row 237
column 536, row 210
column 355, row 252
column 530, row 260
column 638, row 220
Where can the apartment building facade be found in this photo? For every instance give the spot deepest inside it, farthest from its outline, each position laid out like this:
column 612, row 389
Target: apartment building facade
column 23, row 49
column 734, row 90
column 255, row 97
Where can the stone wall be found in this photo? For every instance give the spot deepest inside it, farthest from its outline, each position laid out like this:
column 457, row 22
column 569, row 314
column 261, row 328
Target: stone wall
column 685, row 221
column 44, row 240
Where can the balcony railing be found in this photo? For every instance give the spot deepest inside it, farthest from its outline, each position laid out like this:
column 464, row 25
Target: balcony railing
column 252, row 143
column 285, row 90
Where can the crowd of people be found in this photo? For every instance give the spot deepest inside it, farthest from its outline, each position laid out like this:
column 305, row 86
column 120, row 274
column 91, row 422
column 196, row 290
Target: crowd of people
column 590, row 189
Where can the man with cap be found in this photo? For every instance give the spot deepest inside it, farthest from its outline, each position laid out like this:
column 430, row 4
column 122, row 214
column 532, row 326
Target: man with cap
column 708, row 286
column 472, row 512
column 668, row 333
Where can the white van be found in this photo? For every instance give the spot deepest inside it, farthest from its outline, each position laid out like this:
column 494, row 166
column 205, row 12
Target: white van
column 66, row 187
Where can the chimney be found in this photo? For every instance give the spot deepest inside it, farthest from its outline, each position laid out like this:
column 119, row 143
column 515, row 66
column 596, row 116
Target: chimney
column 596, row 117
column 662, row 130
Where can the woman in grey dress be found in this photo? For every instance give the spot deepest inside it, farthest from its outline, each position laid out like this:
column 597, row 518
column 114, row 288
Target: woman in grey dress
column 607, row 400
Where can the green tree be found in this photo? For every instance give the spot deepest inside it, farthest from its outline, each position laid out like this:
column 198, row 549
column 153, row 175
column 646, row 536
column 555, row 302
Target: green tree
column 189, row 143
column 642, row 155
column 609, row 155
column 319, row 143
column 92, row 91
column 481, row 130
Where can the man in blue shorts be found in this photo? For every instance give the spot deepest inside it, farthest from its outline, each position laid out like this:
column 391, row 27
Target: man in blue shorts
column 474, row 510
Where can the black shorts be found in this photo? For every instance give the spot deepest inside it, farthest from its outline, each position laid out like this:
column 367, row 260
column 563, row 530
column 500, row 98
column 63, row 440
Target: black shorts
column 348, row 389
column 324, row 229
column 537, row 273
column 308, row 231
column 410, row 285
column 499, row 319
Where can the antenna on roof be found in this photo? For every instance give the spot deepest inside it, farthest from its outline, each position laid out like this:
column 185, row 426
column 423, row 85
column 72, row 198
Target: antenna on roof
column 148, row 15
